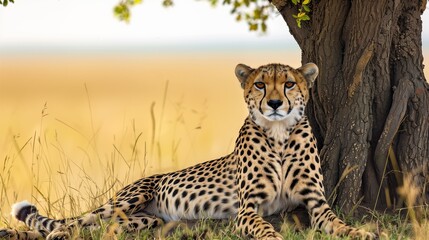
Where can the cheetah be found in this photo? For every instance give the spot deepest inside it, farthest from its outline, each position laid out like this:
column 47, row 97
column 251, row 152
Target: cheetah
column 274, row 167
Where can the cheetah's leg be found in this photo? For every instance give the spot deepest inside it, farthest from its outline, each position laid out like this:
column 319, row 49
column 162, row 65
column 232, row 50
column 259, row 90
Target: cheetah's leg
column 13, row 234
column 130, row 200
column 248, row 222
column 138, row 222
column 133, row 223
column 323, row 218
column 321, row 215
column 305, row 185
column 255, row 190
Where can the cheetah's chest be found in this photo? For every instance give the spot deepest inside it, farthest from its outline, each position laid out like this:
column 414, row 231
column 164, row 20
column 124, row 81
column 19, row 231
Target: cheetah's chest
column 278, row 162
column 281, row 200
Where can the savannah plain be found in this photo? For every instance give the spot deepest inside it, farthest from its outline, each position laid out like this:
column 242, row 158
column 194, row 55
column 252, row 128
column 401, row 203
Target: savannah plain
column 76, row 127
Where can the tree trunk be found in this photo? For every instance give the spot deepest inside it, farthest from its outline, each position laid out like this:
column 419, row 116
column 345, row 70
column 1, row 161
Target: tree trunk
column 370, row 106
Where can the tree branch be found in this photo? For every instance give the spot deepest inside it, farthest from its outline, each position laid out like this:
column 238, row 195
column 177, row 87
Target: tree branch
column 393, row 122
column 286, row 9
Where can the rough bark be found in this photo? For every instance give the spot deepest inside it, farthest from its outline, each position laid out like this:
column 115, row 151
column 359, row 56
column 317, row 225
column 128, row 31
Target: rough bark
column 371, row 96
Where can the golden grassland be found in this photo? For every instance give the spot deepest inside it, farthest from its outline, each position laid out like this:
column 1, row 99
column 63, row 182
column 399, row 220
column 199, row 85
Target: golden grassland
column 76, row 128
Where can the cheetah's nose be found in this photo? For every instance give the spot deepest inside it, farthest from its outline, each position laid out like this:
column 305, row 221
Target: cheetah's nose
column 274, row 104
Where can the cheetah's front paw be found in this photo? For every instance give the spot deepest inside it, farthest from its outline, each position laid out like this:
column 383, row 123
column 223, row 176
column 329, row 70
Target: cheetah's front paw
column 59, row 234
column 355, row 233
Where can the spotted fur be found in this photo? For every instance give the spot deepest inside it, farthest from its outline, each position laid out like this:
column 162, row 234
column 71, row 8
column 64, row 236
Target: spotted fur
column 274, row 167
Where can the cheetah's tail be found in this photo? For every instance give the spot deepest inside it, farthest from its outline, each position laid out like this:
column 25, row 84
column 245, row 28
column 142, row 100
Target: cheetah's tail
column 21, row 210
column 29, row 214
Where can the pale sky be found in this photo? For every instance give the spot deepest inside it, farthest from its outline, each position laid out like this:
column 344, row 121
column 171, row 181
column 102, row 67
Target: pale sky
column 90, row 23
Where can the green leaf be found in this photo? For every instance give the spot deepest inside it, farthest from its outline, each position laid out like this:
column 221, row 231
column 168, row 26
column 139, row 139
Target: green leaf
column 118, row 9
column 122, row 12
column 305, row 18
column 5, row 3
column 12, row 1
column 167, row 3
column 1, row 3
column 306, row 2
column 263, row 27
column 257, row 13
column 238, row 18
column 306, row 8
column 295, row 2
column 250, row 11
column 253, row 27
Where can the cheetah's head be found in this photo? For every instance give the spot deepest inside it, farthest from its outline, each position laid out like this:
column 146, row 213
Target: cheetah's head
column 276, row 92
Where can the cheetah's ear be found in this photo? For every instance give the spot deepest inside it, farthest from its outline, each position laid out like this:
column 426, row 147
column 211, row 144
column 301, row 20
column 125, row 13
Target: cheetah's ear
column 310, row 72
column 242, row 72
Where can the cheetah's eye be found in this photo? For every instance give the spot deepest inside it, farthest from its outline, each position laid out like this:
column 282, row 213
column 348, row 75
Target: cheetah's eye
column 289, row 84
column 259, row 85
